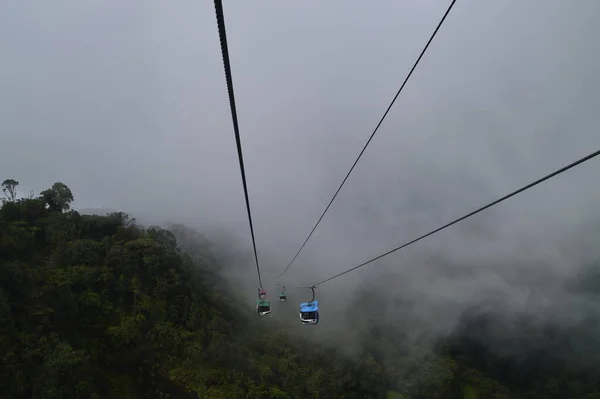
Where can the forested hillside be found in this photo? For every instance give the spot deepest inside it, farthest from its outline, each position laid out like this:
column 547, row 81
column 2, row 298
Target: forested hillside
column 99, row 307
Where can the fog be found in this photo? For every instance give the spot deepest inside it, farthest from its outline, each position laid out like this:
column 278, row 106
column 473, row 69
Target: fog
column 126, row 103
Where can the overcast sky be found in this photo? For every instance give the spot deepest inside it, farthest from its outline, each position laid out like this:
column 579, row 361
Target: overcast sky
column 126, row 103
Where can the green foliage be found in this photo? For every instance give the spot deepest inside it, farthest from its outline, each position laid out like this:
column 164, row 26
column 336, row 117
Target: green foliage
column 58, row 198
column 9, row 188
column 98, row 307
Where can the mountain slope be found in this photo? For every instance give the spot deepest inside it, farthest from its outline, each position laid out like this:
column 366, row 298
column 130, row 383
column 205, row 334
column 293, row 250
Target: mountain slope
column 99, row 307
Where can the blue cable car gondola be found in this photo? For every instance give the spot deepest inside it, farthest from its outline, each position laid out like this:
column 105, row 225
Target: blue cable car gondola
column 309, row 311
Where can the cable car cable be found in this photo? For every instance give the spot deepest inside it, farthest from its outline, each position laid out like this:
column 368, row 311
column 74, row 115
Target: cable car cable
column 563, row 169
column 226, row 64
column 372, row 135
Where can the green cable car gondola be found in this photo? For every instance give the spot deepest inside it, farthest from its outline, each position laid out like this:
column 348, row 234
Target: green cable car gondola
column 263, row 307
column 283, row 295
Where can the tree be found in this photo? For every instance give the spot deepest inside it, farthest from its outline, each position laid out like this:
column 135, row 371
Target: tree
column 9, row 187
column 58, row 198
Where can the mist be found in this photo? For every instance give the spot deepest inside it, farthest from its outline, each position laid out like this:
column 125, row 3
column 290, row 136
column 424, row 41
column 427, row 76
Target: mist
column 126, row 103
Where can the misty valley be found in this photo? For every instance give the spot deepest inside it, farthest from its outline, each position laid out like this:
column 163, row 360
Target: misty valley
column 97, row 306
column 299, row 200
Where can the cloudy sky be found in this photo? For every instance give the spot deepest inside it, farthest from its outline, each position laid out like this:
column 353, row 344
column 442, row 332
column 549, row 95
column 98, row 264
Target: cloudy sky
column 125, row 102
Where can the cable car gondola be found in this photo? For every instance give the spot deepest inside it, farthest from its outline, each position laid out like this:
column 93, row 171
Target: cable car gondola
column 263, row 307
column 309, row 311
column 283, row 295
column 262, row 293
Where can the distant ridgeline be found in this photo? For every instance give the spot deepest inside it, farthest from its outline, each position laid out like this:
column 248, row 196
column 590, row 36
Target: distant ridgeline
column 96, row 306
column 142, row 218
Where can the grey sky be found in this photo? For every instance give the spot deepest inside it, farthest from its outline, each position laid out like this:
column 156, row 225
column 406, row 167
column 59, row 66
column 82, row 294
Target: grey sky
column 125, row 102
